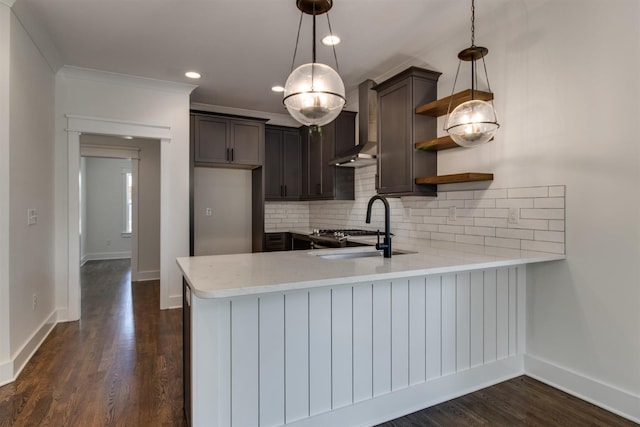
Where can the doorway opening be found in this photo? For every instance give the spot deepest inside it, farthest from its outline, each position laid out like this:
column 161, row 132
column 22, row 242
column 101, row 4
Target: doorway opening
column 120, row 202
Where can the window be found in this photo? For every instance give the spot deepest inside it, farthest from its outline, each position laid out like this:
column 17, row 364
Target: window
column 128, row 203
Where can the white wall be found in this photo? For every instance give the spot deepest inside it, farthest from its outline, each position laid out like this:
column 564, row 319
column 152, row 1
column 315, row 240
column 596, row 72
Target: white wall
column 6, row 370
column 565, row 77
column 128, row 99
column 105, row 205
column 30, row 176
column 83, row 209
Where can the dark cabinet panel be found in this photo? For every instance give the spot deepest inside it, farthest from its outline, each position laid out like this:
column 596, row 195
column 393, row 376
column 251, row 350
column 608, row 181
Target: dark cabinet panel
column 399, row 164
column 245, row 142
column 211, row 135
column 291, row 167
column 282, row 163
column 223, row 141
column 186, row 349
column 322, row 180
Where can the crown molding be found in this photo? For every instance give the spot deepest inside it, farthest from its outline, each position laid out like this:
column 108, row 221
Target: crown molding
column 273, row 118
column 79, row 73
column 8, row 3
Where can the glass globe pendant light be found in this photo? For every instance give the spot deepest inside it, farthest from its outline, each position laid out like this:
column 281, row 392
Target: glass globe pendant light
column 473, row 122
column 314, row 93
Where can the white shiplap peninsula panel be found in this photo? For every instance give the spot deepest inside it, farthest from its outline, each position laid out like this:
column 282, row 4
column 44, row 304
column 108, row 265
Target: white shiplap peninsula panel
column 355, row 353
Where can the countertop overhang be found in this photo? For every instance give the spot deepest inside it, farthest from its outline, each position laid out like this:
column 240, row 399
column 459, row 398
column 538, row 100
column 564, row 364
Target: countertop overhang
column 224, row 276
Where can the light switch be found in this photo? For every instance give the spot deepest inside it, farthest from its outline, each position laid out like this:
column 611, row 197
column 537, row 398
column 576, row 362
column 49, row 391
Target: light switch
column 32, row 216
column 208, row 211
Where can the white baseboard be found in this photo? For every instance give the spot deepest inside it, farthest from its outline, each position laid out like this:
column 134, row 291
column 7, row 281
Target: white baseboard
column 83, row 260
column 99, row 256
column 175, row 301
column 414, row 398
column 10, row 370
column 606, row 396
column 144, row 276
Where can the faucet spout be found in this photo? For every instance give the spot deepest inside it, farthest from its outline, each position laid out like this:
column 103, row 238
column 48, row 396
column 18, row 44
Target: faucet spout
column 386, row 245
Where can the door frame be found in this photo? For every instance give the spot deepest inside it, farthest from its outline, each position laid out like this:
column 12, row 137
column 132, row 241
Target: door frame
column 77, row 125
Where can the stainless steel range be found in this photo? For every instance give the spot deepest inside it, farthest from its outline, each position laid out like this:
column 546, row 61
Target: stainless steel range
column 330, row 238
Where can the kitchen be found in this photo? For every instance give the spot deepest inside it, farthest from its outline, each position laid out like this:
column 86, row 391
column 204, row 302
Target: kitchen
column 582, row 312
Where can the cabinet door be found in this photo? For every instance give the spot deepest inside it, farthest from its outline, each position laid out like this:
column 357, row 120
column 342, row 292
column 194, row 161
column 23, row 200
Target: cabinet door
column 291, row 176
column 314, row 164
column 328, row 152
column 186, row 349
column 394, row 153
column 246, row 140
column 273, row 164
column 211, row 135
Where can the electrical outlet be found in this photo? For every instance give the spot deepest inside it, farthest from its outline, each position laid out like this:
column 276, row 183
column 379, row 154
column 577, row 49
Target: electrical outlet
column 514, row 215
column 208, row 211
column 32, row 216
column 35, row 301
column 452, row 213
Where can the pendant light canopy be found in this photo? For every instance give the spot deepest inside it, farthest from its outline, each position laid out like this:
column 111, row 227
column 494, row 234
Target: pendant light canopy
column 314, row 93
column 473, row 122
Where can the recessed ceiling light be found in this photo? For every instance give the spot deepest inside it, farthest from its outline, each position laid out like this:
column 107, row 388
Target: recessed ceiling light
column 192, row 74
column 277, row 89
column 127, row 137
column 330, row 40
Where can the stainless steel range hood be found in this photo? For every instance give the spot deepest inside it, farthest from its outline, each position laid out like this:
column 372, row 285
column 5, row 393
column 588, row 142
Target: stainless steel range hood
column 363, row 154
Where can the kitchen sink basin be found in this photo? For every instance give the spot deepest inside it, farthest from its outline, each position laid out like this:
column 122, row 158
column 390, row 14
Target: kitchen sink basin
column 357, row 254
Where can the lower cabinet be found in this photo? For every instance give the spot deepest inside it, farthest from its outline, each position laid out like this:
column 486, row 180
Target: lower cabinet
column 277, row 242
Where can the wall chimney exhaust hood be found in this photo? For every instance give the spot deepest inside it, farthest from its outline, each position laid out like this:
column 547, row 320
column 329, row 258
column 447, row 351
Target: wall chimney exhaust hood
column 363, row 154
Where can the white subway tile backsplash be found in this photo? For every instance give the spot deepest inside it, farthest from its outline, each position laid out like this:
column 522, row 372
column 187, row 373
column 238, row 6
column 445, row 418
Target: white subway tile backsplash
column 490, row 222
column 550, row 202
column 459, row 195
column 549, row 236
column 535, row 245
column 511, row 233
column 542, row 213
column 481, row 216
column 500, row 193
column 514, row 203
column 556, row 191
column 513, row 193
column 443, row 236
column 502, row 243
column 556, row 225
column 480, row 231
column 469, row 240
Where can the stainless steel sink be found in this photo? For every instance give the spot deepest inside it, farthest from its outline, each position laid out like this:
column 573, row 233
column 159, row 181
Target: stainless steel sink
column 349, row 254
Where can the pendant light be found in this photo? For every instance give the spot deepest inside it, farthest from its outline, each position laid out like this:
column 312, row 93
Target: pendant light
column 473, row 122
column 314, row 93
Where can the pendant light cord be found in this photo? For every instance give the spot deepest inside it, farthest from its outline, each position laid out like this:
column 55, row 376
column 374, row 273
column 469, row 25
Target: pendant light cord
column 333, row 46
column 473, row 23
column 295, row 51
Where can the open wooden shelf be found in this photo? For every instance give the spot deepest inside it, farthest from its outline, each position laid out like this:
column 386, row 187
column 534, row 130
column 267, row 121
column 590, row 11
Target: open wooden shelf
column 439, row 107
column 442, row 143
column 455, row 178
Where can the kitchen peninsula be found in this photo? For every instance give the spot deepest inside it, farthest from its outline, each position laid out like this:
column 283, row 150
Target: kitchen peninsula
column 320, row 338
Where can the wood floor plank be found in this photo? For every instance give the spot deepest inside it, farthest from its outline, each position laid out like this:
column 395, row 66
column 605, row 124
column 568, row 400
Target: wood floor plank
column 121, row 365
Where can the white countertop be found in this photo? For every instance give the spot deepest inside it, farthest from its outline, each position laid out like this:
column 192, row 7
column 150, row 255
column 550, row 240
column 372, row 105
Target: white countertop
column 222, row 276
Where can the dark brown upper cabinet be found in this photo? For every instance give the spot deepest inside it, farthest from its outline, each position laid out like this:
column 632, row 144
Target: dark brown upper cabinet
column 229, row 142
column 399, row 164
column 282, row 163
column 321, row 180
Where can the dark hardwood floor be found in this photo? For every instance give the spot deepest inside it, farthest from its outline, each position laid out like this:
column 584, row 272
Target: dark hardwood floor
column 121, row 365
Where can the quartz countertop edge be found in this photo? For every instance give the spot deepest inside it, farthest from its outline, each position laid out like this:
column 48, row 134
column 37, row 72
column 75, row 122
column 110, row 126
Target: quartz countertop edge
column 225, row 276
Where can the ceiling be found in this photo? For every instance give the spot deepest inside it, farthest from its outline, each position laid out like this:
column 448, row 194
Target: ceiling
column 241, row 47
